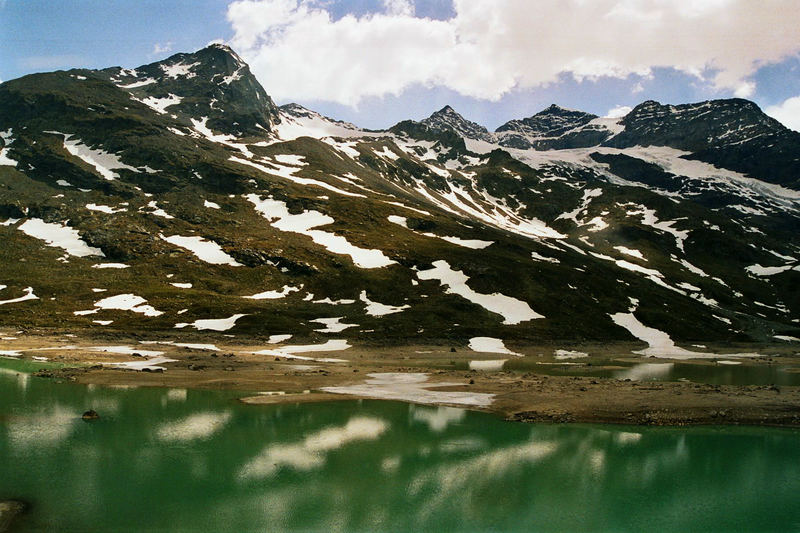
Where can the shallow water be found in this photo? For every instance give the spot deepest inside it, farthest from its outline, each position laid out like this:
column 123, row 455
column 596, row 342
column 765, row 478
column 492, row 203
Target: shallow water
column 714, row 374
column 177, row 460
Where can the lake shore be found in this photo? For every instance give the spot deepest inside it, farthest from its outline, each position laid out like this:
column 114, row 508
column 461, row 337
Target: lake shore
column 9, row 511
column 527, row 389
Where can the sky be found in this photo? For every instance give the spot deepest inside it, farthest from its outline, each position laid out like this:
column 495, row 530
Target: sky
column 376, row 62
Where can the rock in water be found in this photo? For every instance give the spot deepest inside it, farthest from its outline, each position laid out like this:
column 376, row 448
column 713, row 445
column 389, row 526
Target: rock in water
column 91, row 414
column 9, row 510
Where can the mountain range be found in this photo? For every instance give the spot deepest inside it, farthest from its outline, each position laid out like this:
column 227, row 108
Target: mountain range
column 178, row 197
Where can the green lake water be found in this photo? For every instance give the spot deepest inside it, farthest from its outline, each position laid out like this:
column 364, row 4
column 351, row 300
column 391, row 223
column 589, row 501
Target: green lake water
column 177, row 460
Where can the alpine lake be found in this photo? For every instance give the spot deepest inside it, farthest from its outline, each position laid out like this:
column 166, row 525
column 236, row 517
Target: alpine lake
column 197, row 460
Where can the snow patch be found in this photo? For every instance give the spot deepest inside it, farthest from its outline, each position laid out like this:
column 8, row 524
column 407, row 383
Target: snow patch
column 512, row 310
column 274, row 295
column 332, row 325
column 207, row 251
column 214, row 324
column 160, row 105
column 58, row 236
column 25, row 297
column 278, row 214
column 123, row 302
column 7, row 140
column 111, row 265
column 631, row 251
column 179, row 69
column 104, row 209
column 490, row 345
column 379, row 309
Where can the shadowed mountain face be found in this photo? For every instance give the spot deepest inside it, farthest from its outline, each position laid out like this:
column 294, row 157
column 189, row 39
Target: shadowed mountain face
column 177, row 195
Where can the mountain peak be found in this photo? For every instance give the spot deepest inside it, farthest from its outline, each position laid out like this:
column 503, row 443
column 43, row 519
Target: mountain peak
column 556, row 108
column 552, row 121
column 448, row 119
column 212, row 82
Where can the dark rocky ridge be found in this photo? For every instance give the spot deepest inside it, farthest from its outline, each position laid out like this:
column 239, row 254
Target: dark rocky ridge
column 732, row 134
column 447, row 119
column 550, row 122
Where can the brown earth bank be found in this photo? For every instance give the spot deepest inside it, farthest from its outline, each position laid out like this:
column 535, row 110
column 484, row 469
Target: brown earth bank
column 525, row 391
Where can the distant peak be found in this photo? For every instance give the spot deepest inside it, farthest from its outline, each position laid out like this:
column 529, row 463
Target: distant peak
column 555, row 108
column 221, row 46
column 448, row 119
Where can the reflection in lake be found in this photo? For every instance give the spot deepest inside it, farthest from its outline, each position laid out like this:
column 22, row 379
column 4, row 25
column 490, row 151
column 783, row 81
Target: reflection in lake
column 200, row 461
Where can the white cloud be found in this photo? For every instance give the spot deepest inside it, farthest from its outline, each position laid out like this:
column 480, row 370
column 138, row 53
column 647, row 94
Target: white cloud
column 159, row 48
column 490, row 47
column 788, row 113
column 619, row 111
column 745, row 89
column 399, row 7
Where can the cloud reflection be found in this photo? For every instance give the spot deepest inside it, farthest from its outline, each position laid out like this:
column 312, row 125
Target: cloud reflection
column 310, row 453
column 199, row 426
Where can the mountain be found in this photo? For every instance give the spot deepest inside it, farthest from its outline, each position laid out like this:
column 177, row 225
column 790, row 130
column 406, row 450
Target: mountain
column 446, row 119
column 213, row 83
column 554, row 128
column 732, row 134
column 178, row 198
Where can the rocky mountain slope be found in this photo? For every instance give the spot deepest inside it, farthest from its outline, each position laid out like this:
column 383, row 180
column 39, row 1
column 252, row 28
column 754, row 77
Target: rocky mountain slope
column 179, row 197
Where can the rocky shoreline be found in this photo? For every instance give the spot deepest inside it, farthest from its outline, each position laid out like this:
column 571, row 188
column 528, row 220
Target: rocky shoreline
column 9, row 511
column 517, row 393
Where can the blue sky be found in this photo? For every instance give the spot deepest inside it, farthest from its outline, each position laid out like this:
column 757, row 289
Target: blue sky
column 375, row 62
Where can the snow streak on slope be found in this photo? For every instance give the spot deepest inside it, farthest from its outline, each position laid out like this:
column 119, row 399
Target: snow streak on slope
column 289, row 174
column 512, row 310
column 659, row 343
column 278, row 214
column 475, row 244
column 104, row 162
column 296, row 121
column 480, row 205
column 27, row 296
